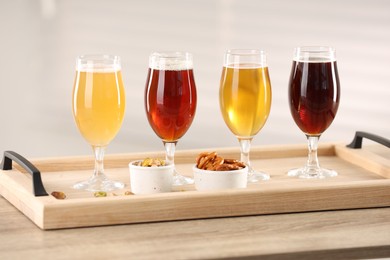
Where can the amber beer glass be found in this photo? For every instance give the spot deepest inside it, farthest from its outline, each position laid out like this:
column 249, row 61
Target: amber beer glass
column 98, row 109
column 314, row 95
column 170, row 100
column 245, row 99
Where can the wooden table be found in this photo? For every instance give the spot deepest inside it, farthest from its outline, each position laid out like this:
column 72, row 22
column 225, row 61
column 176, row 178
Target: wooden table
column 344, row 234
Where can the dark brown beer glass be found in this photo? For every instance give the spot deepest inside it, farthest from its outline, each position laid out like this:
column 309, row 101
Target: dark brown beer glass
column 314, row 96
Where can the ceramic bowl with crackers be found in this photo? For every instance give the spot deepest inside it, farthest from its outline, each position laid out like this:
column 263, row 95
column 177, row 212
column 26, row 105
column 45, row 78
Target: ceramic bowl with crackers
column 212, row 172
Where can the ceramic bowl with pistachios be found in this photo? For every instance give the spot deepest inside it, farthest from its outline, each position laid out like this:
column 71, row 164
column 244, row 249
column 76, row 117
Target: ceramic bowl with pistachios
column 150, row 176
column 212, row 172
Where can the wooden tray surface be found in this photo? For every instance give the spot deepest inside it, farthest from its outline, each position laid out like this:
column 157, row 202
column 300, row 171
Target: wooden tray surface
column 363, row 182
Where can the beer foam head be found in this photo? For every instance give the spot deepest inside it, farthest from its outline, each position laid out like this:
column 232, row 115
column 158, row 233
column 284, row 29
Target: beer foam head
column 98, row 63
column 170, row 61
column 314, row 54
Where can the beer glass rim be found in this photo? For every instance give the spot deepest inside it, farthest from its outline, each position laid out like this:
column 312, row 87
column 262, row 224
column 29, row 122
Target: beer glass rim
column 245, row 52
column 315, row 54
column 170, row 60
column 245, row 58
column 315, row 49
column 96, row 62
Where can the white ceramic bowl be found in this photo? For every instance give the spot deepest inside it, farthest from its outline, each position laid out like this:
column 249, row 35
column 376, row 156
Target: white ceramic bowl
column 148, row 180
column 217, row 180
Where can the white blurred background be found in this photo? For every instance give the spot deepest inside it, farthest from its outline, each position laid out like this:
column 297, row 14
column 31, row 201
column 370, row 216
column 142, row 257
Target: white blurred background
column 41, row 39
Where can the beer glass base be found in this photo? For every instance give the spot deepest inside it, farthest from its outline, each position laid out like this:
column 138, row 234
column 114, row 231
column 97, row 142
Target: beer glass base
column 179, row 180
column 307, row 173
column 97, row 184
column 256, row 176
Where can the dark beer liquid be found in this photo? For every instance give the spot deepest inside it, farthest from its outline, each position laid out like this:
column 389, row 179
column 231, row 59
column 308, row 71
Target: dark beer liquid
column 170, row 102
column 314, row 94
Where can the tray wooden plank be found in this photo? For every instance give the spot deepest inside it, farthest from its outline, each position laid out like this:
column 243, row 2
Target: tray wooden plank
column 363, row 182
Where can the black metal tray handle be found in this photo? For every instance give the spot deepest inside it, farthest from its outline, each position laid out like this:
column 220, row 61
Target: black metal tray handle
column 6, row 164
column 358, row 139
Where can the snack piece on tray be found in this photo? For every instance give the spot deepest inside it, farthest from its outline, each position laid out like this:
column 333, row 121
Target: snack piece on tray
column 58, row 195
column 212, row 162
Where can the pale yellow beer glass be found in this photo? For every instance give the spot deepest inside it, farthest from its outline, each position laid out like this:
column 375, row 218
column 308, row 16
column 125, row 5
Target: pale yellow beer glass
column 245, row 99
column 98, row 109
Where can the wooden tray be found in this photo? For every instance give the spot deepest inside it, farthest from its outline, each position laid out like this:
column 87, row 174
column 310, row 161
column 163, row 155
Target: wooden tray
column 363, row 182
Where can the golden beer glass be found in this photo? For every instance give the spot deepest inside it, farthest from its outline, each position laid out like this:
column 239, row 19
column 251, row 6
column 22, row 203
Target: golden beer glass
column 98, row 108
column 245, row 99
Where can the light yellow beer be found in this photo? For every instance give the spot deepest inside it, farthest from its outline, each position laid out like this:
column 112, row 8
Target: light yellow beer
column 99, row 105
column 245, row 98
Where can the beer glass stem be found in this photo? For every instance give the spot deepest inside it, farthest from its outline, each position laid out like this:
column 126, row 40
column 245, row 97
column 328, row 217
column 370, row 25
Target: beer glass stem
column 170, row 148
column 312, row 164
column 178, row 179
column 245, row 146
column 98, row 181
column 99, row 165
column 312, row 168
column 253, row 175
